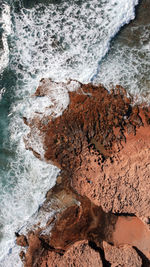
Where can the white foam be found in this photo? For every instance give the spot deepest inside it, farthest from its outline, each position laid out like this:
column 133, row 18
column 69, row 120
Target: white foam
column 6, row 26
column 27, row 181
column 12, row 259
column 69, row 43
column 49, row 42
column 129, row 65
column 54, row 101
column 2, row 91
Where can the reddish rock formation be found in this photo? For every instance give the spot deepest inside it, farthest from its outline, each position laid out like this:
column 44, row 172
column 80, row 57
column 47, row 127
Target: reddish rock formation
column 120, row 183
column 22, row 241
column 124, row 256
column 79, row 255
column 77, row 218
column 102, row 144
column 94, row 118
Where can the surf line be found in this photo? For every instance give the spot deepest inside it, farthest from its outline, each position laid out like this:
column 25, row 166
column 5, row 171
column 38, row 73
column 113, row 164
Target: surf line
column 124, row 22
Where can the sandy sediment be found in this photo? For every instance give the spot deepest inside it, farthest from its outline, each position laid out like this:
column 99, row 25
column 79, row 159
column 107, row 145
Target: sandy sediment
column 101, row 199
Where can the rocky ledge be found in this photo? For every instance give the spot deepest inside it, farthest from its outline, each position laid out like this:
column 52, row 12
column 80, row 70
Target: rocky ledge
column 98, row 213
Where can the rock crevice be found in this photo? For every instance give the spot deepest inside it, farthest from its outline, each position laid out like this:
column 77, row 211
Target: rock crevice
column 101, row 143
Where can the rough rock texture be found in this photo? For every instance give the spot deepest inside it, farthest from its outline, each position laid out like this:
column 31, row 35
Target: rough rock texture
column 102, row 145
column 120, row 183
column 95, row 141
column 79, row 255
column 22, row 241
column 125, row 256
column 75, row 218
column 94, row 118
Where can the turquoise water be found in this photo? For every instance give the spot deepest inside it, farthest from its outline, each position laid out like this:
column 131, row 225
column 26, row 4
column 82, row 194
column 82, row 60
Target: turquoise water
column 60, row 40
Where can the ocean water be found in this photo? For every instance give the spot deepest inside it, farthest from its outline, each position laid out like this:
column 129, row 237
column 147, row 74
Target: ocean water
column 128, row 60
column 103, row 41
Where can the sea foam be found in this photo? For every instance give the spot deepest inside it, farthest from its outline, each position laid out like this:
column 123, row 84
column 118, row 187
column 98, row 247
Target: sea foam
column 64, row 41
column 6, row 30
column 128, row 62
column 60, row 42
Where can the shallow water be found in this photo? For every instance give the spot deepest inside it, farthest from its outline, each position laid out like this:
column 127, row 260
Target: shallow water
column 60, row 40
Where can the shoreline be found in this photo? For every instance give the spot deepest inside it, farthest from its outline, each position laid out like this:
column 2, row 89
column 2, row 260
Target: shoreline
column 98, row 142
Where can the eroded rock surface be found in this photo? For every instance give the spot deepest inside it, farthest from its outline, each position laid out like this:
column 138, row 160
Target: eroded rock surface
column 102, row 145
column 120, row 183
column 123, row 256
column 94, row 118
column 80, row 254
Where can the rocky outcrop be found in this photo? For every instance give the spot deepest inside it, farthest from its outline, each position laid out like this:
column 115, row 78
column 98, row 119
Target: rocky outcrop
column 124, row 256
column 75, row 218
column 101, row 143
column 80, row 254
column 94, row 118
column 120, row 183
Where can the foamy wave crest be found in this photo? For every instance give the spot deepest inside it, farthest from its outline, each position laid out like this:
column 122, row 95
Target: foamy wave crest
column 53, row 98
column 6, row 28
column 26, row 184
column 66, row 41
column 12, row 259
column 50, row 99
column 2, row 91
column 59, row 41
column 128, row 63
